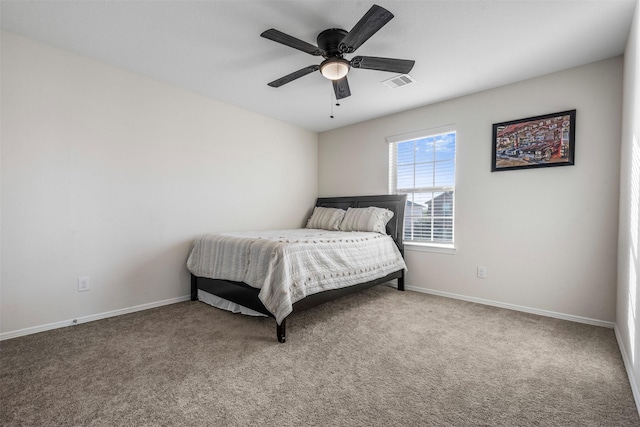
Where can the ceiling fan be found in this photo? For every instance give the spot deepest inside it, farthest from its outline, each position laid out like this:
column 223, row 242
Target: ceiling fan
column 333, row 44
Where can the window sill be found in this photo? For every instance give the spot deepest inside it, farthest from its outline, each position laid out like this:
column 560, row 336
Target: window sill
column 430, row 247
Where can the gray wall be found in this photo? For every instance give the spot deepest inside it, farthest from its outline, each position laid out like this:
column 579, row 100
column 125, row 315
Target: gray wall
column 547, row 237
column 111, row 175
column 627, row 316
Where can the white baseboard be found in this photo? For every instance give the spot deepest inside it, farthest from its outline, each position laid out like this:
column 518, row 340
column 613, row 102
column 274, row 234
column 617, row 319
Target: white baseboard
column 633, row 381
column 515, row 307
column 90, row 318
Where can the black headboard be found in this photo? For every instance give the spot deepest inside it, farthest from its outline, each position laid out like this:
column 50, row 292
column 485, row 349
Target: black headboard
column 394, row 202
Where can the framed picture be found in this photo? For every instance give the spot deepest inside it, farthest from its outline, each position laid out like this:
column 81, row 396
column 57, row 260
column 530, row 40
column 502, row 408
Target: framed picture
column 534, row 142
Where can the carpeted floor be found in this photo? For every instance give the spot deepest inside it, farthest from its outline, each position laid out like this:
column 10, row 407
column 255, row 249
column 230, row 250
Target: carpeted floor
column 378, row 358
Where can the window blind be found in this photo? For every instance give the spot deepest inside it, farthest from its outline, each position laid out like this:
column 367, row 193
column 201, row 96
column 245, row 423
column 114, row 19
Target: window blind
column 422, row 165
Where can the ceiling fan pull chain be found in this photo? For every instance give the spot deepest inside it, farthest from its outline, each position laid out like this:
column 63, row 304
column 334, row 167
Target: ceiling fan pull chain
column 331, row 104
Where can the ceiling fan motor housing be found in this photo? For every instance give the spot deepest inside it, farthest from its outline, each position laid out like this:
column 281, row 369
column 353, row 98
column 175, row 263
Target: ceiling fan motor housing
column 329, row 41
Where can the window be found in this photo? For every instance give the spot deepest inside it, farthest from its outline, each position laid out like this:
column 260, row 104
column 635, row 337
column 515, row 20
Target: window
column 422, row 165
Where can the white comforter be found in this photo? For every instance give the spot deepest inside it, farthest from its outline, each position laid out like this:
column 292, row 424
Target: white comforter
column 287, row 265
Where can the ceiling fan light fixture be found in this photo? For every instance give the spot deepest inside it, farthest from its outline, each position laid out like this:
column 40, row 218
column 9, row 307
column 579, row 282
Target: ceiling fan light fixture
column 334, row 68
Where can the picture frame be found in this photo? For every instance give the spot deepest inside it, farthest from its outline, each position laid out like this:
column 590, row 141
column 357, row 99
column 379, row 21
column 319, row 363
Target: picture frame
column 534, row 142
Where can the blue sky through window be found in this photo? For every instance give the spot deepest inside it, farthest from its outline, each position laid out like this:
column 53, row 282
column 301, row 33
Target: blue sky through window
column 427, row 162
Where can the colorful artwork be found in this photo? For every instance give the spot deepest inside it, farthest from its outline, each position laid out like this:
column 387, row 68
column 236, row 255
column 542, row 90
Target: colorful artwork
column 534, row 142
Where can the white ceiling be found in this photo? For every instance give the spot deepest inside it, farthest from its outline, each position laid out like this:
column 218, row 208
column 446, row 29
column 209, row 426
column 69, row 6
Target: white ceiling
column 214, row 48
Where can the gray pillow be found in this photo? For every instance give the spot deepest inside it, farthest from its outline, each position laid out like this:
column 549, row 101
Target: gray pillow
column 326, row 218
column 366, row 219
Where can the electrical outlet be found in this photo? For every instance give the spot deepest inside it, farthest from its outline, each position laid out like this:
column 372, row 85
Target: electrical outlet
column 83, row 284
column 482, row 272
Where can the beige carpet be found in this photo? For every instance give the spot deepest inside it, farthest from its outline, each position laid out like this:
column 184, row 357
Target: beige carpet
column 378, row 358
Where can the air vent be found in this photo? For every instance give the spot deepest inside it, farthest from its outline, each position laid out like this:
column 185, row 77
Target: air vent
column 398, row 81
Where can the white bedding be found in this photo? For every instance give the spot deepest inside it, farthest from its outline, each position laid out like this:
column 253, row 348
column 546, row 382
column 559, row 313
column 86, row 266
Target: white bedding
column 287, row 265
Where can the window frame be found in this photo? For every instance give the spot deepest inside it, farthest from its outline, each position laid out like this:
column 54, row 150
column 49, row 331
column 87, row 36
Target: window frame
column 393, row 141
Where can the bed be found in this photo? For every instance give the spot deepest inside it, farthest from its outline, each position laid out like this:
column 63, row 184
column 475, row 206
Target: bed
column 281, row 295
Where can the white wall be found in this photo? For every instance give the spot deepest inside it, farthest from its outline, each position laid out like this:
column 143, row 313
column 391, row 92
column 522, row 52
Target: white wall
column 111, row 175
column 546, row 236
column 627, row 316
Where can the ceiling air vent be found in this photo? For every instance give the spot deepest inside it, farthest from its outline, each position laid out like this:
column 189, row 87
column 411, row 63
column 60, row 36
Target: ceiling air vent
column 398, row 81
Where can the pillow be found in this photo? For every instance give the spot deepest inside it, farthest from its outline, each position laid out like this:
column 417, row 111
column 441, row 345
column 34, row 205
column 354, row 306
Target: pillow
column 326, row 218
column 366, row 219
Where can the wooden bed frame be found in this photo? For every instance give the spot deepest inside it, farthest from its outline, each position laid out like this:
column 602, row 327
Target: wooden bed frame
column 247, row 296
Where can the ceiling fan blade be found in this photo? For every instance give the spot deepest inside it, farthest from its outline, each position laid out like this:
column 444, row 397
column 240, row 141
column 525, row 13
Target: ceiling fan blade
column 341, row 88
column 392, row 65
column 287, row 40
column 295, row 75
column 368, row 25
